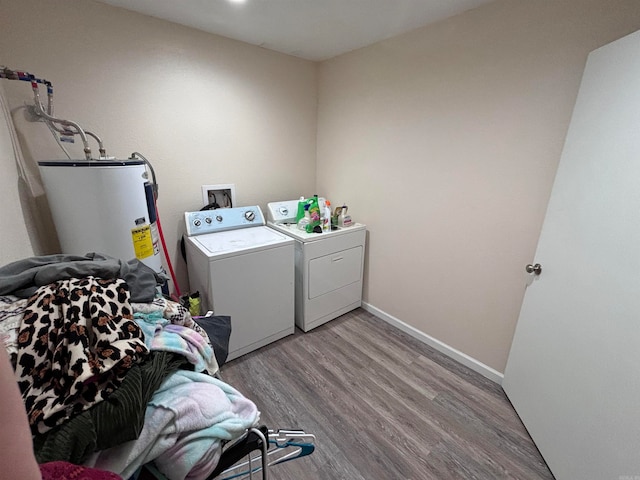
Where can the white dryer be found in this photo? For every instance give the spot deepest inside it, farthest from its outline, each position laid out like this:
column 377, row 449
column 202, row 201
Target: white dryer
column 245, row 270
column 329, row 267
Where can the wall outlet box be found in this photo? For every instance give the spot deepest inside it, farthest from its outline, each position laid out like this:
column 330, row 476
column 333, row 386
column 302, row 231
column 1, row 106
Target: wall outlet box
column 222, row 195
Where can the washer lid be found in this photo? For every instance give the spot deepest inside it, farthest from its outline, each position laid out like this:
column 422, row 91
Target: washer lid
column 239, row 240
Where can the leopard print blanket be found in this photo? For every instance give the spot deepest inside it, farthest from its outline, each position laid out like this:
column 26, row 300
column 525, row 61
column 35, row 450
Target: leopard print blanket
column 76, row 342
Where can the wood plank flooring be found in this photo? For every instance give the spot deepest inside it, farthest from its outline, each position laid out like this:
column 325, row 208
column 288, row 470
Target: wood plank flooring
column 383, row 406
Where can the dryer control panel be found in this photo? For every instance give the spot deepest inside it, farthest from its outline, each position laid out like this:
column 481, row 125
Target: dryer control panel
column 282, row 212
column 221, row 219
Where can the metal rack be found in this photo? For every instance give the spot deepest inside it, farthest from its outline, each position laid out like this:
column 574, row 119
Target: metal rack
column 253, row 453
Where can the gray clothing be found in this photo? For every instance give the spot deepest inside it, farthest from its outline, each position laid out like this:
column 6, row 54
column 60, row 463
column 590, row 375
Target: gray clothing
column 23, row 277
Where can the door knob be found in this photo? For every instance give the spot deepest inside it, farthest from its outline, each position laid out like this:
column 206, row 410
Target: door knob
column 536, row 269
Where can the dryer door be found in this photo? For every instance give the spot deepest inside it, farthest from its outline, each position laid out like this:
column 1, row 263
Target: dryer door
column 334, row 271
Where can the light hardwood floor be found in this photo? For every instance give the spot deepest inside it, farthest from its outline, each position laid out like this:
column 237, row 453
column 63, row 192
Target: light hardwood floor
column 383, row 406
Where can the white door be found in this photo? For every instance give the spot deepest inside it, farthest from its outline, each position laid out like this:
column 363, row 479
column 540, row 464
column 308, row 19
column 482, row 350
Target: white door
column 573, row 373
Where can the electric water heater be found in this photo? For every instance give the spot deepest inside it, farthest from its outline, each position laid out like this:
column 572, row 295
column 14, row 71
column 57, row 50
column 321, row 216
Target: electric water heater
column 103, row 206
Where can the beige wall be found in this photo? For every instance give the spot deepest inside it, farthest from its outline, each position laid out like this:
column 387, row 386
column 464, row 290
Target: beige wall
column 445, row 142
column 15, row 243
column 203, row 109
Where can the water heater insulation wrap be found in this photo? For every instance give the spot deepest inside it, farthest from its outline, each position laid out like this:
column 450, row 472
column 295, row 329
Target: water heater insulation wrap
column 105, row 207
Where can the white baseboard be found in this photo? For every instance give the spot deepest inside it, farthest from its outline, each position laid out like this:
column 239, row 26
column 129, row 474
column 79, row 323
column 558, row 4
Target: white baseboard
column 442, row 347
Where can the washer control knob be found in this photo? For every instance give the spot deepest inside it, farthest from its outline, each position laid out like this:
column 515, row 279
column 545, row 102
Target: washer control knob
column 284, row 211
column 218, row 218
column 197, row 222
column 208, row 220
column 250, row 215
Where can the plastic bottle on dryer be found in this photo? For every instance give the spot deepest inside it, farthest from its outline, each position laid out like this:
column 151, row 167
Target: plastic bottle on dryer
column 326, row 218
column 306, row 220
column 344, row 220
column 300, row 212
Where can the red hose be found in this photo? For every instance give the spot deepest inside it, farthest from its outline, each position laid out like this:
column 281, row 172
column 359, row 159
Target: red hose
column 166, row 254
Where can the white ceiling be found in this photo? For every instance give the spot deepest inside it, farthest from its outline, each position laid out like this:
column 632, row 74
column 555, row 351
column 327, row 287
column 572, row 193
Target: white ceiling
column 310, row 29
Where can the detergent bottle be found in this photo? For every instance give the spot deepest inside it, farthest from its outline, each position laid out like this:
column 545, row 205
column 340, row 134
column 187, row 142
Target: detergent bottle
column 305, row 220
column 314, row 226
column 300, row 212
column 326, row 218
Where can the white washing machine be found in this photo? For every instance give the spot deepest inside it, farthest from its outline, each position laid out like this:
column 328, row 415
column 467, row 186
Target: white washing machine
column 245, row 270
column 329, row 267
